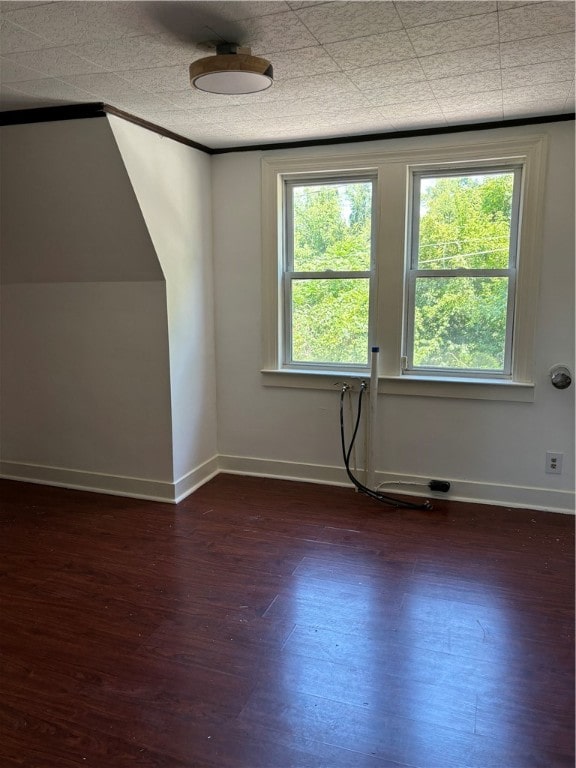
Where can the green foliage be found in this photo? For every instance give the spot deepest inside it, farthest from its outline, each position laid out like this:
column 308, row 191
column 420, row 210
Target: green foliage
column 330, row 321
column 460, row 321
column 332, row 227
column 331, row 232
column 465, row 222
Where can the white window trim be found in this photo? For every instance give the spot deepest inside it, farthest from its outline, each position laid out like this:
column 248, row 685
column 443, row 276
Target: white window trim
column 393, row 168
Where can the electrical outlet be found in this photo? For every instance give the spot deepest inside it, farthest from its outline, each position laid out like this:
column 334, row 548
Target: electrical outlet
column 554, row 463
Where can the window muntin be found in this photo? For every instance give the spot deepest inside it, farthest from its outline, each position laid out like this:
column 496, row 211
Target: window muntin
column 461, row 277
column 328, row 270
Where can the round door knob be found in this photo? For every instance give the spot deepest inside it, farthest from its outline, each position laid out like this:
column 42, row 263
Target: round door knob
column 560, row 376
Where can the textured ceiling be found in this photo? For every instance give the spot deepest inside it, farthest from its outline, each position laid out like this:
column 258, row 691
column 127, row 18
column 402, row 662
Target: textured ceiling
column 341, row 68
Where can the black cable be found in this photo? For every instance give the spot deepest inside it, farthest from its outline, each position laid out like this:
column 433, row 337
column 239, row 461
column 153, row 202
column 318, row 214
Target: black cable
column 376, row 495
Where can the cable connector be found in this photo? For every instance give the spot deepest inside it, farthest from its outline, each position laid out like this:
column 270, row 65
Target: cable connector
column 439, row 485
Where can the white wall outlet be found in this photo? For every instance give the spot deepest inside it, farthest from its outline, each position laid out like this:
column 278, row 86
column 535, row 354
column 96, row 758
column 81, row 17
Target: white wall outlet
column 554, row 462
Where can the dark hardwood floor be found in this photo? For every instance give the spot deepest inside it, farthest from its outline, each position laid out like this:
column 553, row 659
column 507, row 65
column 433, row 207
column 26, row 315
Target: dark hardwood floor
column 269, row 624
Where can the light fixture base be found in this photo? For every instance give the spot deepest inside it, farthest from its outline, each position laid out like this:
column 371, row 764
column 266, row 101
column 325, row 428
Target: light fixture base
column 232, row 71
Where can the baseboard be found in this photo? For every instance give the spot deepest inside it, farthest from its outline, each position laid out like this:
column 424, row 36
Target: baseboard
column 174, row 492
column 191, row 481
column 460, row 490
column 114, row 485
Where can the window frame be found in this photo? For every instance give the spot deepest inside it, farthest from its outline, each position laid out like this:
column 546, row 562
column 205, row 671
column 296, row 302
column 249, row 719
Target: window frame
column 390, row 228
column 289, row 274
column 413, row 272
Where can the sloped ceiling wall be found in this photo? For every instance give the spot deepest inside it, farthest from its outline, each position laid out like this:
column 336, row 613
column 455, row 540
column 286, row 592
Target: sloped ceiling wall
column 85, row 358
column 173, row 186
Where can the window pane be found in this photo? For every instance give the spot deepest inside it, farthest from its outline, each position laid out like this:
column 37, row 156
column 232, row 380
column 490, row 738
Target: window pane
column 332, row 226
column 465, row 221
column 460, row 322
column 330, row 321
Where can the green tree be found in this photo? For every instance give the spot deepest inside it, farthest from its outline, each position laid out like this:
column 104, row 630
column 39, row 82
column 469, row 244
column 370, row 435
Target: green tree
column 460, row 322
column 332, row 231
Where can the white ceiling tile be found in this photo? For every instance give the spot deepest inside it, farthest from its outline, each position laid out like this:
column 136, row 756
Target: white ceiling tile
column 14, row 5
column 278, row 32
column 172, row 116
column 396, row 73
column 11, row 72
column 395, row 112
column 537, row 49
column 483, row 100
column 247, row 9
column 107, row 86
column 13, row 39
column 472, row 83
column 536, row 20
column 461, row 62
column 537, row 93
column 420, row 122
column 191, row 99
column 534, row 74
column 478, row 114
column 519, row 110
column 140, row 104
column 70, row 23
column 228, row 115
column 505, row 5
column 122, row 53
column 301, row 63
column 160, row 79
column 472, row 31
column 398, row 94
column 54, row 62
column 330, row 84
column 319, row 105
column 343, row 21
column 137, row 53
column 373, row 49
column 416, row 13
column 296, row 5
column 52, row 90
column 12, row 100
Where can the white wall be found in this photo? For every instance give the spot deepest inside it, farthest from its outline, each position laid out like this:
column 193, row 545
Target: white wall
column 172, row 183
column 84, row 376
column 84, row 382
column 109, row 374
column 489, row 450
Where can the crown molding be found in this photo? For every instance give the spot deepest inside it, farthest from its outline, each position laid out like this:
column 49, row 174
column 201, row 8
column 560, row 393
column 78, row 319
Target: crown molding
column 100, row 109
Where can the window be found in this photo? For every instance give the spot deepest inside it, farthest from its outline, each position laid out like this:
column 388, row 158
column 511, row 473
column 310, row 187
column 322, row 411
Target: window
column 430, row 254
column 461, row 275
column 328, row 268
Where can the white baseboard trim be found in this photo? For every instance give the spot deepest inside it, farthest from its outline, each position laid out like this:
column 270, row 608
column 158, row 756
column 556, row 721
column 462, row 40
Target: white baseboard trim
column 191, row 481
column 461, row 490
column 114, row 485
column 173, row 492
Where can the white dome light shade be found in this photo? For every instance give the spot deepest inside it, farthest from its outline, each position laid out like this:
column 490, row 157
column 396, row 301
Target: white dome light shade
column 232, row 73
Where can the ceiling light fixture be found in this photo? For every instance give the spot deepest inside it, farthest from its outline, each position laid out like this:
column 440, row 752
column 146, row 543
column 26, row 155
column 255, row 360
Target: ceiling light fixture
column 232, row 71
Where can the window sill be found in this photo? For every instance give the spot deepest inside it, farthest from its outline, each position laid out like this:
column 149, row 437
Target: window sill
column 420, row 386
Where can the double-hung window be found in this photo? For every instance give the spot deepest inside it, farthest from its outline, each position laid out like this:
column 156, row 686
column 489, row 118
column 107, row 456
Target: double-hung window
column 328, row 269
column 461, row 276
column 431, row 254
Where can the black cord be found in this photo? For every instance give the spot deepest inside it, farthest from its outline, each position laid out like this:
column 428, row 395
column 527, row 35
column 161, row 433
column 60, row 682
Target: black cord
column 376, row 495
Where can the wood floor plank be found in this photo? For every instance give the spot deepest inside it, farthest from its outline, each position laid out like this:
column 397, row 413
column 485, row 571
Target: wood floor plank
column 270, row 624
